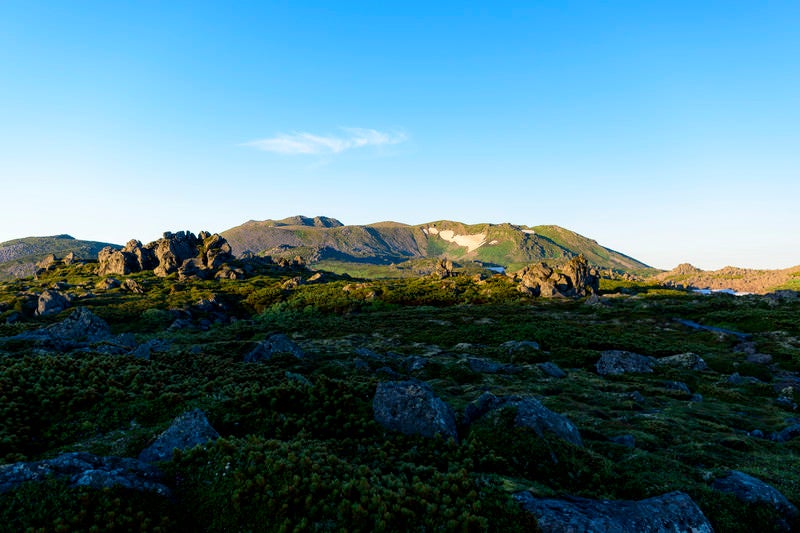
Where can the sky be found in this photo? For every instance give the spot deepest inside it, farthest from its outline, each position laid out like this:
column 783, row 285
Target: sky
column 668, row 131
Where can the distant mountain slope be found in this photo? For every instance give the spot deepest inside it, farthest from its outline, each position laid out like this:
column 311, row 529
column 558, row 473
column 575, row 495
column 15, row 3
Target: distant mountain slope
column 505, row 244
column 18, row 257
column 737, row 279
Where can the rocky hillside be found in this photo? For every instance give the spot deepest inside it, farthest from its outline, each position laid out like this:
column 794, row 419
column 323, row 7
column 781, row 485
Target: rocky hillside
column 737, row 279
column 505, row 244
column 18, row 257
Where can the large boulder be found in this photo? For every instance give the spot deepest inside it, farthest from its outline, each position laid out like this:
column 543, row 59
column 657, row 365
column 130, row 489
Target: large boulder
column 51, row 303
column 613, row 362
column 79, row 329
column 673, row 512
column 575, row 279
column 530, row 413
column 85, row 469
column 583, row 278
column 111, row 261
column 187, row 431
column 411, row 407
column 215, row 251
column 272, row 345
column 752, row 490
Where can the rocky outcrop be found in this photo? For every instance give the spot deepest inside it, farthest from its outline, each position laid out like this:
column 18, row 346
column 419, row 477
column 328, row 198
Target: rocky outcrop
column 530, row 413
column 274, row 344
column 79, row 329
column 411, row 407
column 187, row 431
column 51, row 303
column 189, row 255
column 671, row 512
column 576, row 279
column 613, row 362
column 85, row 469
column 752, row 490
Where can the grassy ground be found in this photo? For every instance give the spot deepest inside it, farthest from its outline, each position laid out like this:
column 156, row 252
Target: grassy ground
column 307, row 456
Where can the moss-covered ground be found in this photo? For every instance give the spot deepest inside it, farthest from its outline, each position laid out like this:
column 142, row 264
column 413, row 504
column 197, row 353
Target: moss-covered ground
column 299, row 449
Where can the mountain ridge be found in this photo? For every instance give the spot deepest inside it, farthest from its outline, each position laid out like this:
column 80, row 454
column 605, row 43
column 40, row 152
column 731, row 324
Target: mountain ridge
column 505, row 244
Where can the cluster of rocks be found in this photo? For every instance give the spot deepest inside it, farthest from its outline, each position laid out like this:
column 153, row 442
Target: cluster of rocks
column 51, row 262
column 201, row 256
column 100, row 472
column 575, row 279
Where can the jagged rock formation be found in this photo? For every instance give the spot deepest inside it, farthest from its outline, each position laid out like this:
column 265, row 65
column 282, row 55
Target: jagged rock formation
column 575, row 279
column 183, row 252
column 411, row 407
column 51, row 302
column 79, row 329
column 187, row 431
column 675, row 511
column 85, row 469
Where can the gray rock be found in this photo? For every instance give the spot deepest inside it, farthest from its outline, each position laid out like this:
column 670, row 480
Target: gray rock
column 415, row 363
column 672, row 512
column 133, row 286
column 51, row 303
column 551, row 370
column 689, row 360
column 752, row 490
column 737, row 379
column 187, row 431
column 85, row 469
column 486, row 366
column 629, row 441
column 787, row 434
column 530, row 414
column 274, row 344
column 515, row 346
column 79, row 329
column 614, row 362
column 677, row 386
column 411, row 407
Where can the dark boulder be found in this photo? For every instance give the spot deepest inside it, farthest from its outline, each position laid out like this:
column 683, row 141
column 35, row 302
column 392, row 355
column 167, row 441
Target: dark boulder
column 187, row 431
column 411, row 407
column 530, row 413
column 613, row 362
column 688, row 360
column 274, row 344
column 79, row 329
column 672, row 512
column 85, row 469
column 552, row 370
column 752, row 490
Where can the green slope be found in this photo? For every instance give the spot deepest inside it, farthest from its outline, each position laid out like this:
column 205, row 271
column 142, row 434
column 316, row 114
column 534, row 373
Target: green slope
column 504, row 244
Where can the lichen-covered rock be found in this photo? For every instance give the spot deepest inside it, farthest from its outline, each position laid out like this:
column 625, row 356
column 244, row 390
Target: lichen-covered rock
column 51, row 303
column 613, row 362
column 752, row 490
column 411, row 407
column 674, row 512
column 575, row 279
column 85, row 469
column 688, row 360
column 172, row 250
column 274, row 344
column 187, row 431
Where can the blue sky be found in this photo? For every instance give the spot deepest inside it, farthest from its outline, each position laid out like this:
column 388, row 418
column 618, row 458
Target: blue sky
column 669, row 131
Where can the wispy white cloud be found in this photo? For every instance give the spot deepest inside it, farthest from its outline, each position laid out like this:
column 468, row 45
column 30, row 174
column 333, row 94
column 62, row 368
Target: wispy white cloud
column 303, row 143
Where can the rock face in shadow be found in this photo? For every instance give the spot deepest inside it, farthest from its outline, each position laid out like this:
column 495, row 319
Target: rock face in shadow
column 85, row 469
column 672, row 512
column 274, row 344
column 411, row 407
column 182, row 252
column 613, row 362
column 575, row 279
column 187, row 431
column 51, row 303
column 78, row 330
column 752, row 490
column 530, row 413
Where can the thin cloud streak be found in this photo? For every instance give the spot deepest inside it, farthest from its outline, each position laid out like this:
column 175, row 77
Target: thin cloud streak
column 302, row 143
